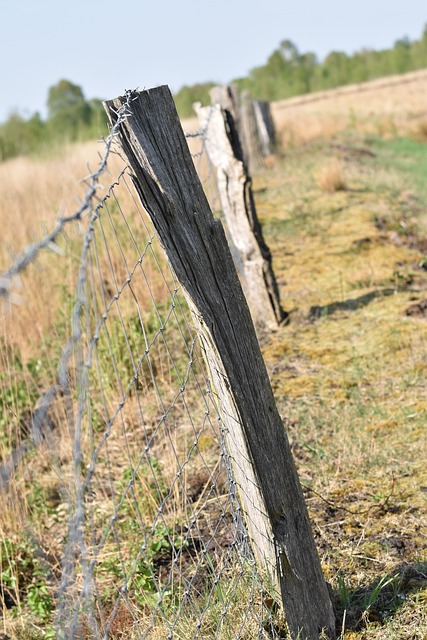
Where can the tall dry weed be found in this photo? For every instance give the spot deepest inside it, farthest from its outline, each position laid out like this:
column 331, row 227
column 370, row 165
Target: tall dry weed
column 330, row 177
column 419, row 130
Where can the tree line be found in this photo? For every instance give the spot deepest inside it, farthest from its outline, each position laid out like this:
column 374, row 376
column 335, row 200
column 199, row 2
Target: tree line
column 287, row 73
column 70, row 118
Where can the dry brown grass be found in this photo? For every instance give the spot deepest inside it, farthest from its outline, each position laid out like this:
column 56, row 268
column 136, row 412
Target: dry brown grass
column 330, row 177
column 381, row 107
column 36, row 190
column 34, row 193
column 419, row 130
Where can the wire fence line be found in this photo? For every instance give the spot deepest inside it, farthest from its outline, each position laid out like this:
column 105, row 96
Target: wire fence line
column 151, row 541
column 29, row 255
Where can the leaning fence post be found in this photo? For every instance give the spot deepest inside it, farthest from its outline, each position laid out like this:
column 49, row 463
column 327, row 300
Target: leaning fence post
column 195, row 243
column 252, row 255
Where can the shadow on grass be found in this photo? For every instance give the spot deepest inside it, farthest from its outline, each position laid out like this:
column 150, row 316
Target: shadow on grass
column 378, row 600
column 352, row 304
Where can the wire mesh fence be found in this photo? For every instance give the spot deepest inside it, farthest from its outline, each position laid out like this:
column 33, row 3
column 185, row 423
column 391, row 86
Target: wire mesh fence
column 136, row 530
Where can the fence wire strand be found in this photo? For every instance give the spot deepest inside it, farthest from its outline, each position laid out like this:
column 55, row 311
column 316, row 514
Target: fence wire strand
column 152, row 543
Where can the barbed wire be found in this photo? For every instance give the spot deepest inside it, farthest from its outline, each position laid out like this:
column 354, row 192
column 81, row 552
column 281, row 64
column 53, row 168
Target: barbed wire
column 154, row 542
column 31, row 252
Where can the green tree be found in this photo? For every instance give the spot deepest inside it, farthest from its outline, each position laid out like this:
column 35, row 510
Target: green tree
column 269, row 81
column 187, row 96
column 98, row 118
column 335, row 70
column 70, row 117
column 68, row 112
column 419, row 51
column 285, row 74
column 402, row 55
column 304, row 73
column 19, row 136
column 36, row 132
column 12, row 136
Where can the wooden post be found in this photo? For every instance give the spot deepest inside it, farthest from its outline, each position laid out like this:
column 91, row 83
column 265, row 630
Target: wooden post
column 265, row 126
column 227, row 96
column 253, row 122
column 250, row 134
column 252, row 255
column 195, row 243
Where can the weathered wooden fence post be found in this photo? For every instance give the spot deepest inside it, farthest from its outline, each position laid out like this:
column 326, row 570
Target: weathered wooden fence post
column 241, row 110
column 249, row 134
column 227, row 96
column 252, row 255
column 195, row 243
column 265, row 125
column 253, row 122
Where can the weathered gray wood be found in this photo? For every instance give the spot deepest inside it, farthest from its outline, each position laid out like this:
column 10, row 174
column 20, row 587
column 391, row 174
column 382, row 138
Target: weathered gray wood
column 195, row 243
column 265, row 126
column 227, row 96
column 253, row 122
column 252, row 255
column 249, row 134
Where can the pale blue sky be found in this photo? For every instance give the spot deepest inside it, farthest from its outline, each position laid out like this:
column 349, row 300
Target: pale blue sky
column 108, row 46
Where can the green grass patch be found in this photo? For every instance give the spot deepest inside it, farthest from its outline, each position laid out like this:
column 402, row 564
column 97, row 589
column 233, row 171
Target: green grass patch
column 406, row 156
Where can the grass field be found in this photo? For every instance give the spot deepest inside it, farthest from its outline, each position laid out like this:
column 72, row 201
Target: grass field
column 344, row 211
column 388, row 107
column 349, row 371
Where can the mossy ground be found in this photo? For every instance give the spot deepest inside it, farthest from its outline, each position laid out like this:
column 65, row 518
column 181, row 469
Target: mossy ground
column 349, row 371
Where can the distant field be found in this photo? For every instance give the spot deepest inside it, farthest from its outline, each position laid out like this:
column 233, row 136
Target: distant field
column 387, row 107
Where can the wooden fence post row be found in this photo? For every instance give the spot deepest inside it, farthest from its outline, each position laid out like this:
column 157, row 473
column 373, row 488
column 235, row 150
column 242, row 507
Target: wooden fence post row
column 253, row 121
column 195, row 243
column 250, row 252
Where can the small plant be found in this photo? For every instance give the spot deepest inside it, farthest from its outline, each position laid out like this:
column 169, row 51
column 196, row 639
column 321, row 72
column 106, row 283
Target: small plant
column 330, row 177
column 143, row 580
column 371, row 598
column 23, row 580
column 148, row 489
column 344, row 593
column 360, row 604
column 420, row 131
column 39, row 599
